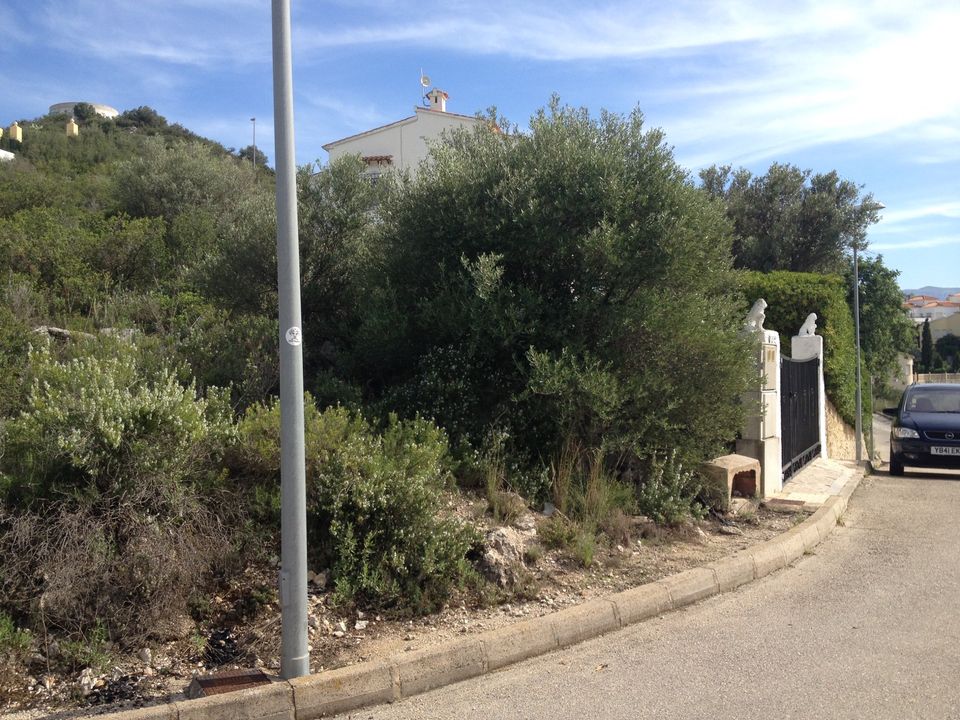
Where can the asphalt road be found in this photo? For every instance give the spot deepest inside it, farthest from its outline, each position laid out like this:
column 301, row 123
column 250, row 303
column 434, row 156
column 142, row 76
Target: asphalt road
column 867, row 626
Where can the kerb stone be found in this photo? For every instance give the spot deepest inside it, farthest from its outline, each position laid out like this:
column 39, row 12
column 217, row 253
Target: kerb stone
column 585, row 621
column 343, row 689
column 732, row 572
column 641, row 603
column 518, row 642
column 433, row 667
column 691, row 585
column 267, row 702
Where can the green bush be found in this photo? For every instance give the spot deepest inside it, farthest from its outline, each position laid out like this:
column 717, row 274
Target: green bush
column 571, row 281
column 790, row 298
column 374, row 503
column 107, row 483
column 14, row 641
column 668, row 492
column 95, row 423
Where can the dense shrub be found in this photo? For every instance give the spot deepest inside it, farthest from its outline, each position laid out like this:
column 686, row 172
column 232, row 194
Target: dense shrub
column 374, row 503
column 106, row 483
column 790, row 298
column 569, row 281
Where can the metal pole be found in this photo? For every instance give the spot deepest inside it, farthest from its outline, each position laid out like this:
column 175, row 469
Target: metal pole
column 254, row 121
column 295, row 651
column 856, row 322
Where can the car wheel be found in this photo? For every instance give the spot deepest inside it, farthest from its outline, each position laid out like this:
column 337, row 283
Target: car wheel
column 896, row 465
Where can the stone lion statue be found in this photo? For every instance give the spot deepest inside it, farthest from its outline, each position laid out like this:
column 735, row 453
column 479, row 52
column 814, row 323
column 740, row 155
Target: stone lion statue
column 809, row 326
column 756, row 316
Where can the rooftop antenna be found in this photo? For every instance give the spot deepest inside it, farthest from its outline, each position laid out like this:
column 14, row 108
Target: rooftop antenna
column 424, row 83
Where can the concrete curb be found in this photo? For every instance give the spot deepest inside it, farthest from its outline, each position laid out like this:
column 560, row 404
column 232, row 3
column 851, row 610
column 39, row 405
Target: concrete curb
column 356, row 686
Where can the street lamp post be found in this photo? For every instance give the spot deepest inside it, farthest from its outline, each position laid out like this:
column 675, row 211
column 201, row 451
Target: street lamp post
column 294, row 649
column 858, row 430
column 254, row 121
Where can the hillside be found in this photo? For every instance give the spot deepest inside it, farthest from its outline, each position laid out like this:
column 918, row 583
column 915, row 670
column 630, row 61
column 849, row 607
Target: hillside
column 938, row 292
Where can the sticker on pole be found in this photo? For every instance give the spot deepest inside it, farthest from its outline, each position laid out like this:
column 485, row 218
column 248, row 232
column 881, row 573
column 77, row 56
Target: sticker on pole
column 294, row 336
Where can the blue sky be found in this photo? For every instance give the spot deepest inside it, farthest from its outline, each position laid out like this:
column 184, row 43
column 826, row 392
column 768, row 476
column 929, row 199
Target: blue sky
column 867, row 88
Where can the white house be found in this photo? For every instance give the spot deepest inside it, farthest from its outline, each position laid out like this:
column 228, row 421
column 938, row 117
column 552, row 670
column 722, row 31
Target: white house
column 402, row 144
column 927, row 307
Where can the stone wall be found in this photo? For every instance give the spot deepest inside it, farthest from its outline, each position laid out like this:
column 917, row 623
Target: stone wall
column 841, row 438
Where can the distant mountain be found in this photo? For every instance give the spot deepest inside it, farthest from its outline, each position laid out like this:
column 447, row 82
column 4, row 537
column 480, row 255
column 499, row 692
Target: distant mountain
column 937, row 292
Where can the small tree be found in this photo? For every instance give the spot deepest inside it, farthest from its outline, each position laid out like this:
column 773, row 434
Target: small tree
column 885, row 329
column 83, row 113
column 927, row 350
column 790, row 219
column 251, row 154
column 948, row 347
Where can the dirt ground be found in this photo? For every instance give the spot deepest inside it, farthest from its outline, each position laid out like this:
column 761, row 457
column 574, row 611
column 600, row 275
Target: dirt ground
column 550, row 581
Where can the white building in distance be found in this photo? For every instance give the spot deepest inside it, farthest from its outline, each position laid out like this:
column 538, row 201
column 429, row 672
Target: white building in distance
column 402, row 144
column 66, row 108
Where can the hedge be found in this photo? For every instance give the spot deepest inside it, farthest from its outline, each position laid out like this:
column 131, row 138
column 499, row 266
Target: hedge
column 790, row 298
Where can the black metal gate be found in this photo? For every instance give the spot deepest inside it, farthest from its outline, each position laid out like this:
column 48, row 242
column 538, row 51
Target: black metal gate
column 799, row 412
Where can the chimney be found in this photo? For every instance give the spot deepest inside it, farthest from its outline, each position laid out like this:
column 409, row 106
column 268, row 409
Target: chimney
column 438, row 100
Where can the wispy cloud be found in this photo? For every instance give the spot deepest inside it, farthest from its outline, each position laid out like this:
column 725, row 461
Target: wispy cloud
column 928, row 242
column 188, row 32
column 934, row 211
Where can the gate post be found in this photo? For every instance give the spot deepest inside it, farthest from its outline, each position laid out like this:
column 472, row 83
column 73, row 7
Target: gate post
column 761, row 437
column 805, row 345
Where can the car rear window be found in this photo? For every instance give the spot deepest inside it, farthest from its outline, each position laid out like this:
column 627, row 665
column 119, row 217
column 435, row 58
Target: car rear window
column 934, row 400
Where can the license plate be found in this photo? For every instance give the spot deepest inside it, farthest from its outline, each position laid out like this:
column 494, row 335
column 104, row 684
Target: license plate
column 945, row 451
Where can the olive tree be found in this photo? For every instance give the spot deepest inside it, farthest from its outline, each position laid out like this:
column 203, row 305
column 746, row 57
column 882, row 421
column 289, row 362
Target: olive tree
column 567, row 282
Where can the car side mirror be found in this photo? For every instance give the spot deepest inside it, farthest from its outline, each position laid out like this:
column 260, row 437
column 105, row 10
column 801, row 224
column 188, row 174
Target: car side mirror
column 890, row 412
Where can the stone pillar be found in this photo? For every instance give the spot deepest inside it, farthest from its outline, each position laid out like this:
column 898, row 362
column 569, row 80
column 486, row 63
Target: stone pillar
column 761, row 437
column 805, row 346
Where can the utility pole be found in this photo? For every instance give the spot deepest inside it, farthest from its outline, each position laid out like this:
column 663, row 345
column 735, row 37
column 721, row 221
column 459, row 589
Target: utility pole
column 254, row 121
column 858, row 430
column 294, row 648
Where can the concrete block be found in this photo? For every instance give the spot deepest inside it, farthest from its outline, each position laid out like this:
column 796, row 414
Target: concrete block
column 585, row 621
column 266, row 702
column 691, row 585
column 527, row 639
column 642, row 602
column 440, row 665
column 343, row 689
column 767, row 557
column 732, row 572
column 793, row 545
column 724, row 475
column 156, row 712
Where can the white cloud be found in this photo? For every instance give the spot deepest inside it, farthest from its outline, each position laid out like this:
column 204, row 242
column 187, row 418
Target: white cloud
column 916, row 244
column 191, row 32
column 938, row 210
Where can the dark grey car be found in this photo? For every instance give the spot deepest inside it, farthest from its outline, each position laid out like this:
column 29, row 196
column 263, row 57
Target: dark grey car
column 926, row 428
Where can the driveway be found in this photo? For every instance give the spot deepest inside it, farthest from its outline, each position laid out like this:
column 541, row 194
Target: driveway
column 865, row 627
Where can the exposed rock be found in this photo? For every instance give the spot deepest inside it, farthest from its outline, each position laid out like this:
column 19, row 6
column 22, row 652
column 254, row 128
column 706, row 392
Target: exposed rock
column 61, row 333
column 145, row 655
column 504, row 555
column 743, row 506
column 526, row 524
